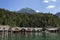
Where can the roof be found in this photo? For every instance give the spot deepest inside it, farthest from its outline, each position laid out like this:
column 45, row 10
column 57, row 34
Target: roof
column 5, row 27
column 52, row 28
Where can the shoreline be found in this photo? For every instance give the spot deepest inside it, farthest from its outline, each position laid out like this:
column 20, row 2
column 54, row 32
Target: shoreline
column 26, row 29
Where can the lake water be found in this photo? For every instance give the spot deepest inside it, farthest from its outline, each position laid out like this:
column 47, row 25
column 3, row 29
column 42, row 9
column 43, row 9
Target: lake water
column 30, row 36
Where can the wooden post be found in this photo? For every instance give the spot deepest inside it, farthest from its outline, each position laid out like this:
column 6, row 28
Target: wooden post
column 2, row 34
column 6, row 35
column 11, row 33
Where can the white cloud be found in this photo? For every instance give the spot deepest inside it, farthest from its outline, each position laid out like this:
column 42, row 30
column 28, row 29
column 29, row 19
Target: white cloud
column 37, row 10
column 53, row 0
column 46, row 1
column 50, row 6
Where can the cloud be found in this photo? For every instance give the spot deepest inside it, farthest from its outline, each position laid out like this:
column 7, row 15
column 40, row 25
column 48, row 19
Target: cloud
column 50, row 6
column 37, row 10
column 53, row 0
column 47, row 1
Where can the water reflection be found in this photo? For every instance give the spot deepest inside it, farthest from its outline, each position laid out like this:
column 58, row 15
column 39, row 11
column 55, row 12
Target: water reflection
column 29, row 36
column 44, row 35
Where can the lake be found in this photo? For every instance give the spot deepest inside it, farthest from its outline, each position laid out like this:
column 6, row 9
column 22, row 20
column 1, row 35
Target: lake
column 30, row 36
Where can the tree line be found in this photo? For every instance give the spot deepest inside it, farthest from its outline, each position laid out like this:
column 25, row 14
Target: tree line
column 28, row 20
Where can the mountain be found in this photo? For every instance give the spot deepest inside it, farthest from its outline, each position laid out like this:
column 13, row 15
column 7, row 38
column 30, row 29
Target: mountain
column 58, row 14
column 27, row 10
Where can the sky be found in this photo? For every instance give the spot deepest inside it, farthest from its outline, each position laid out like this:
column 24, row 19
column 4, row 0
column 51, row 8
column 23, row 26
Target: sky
column 45, row 6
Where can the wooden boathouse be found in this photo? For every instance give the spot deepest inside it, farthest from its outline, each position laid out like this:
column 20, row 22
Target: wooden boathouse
column 7, row 28
column 52, row 29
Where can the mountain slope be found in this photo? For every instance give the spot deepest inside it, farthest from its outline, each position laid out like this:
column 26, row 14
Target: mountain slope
column 27, row 10
column 58, row 14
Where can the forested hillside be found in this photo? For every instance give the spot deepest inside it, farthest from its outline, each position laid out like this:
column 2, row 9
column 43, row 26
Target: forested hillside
column 28, row 20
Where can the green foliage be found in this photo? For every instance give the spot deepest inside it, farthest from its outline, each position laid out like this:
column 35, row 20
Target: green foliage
column 28, row 20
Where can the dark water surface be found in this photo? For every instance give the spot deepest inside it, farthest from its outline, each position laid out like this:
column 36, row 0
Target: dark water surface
column 30, row 36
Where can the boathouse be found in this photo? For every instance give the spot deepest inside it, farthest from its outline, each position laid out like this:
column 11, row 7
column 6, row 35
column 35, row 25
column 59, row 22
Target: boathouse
column 52, row 29
column 4, row 27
